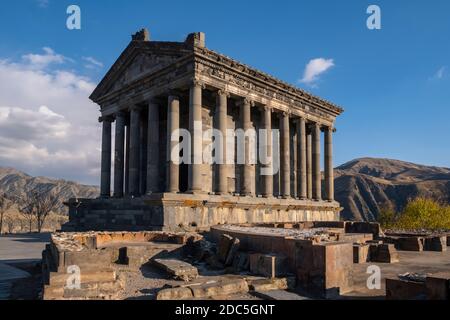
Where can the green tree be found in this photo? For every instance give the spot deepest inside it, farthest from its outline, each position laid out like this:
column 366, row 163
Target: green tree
column 387, row 216
column 424, row 213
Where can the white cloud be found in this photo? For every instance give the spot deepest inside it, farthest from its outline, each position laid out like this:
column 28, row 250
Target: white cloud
column 92, row 63
column 30, row 125
column 314, row 69
column 440, row 73
column 41, row 61
column 48, row 126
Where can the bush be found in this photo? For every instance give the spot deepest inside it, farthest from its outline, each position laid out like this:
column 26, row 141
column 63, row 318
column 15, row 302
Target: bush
column 420, row 213
column 387, row 217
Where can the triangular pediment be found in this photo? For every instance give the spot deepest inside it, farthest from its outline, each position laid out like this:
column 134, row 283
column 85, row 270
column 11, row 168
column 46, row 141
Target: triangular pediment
column 142, row 64
column 137, row 61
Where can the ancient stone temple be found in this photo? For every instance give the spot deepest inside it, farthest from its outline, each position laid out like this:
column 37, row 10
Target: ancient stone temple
column 157, row 87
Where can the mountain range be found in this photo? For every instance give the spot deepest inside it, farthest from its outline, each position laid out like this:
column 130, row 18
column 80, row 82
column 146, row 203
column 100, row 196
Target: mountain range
column 362, row 186
column 366, row 185
column 16, row 184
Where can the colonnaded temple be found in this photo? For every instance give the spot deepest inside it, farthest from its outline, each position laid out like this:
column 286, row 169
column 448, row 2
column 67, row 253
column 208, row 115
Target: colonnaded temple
column 156, row 87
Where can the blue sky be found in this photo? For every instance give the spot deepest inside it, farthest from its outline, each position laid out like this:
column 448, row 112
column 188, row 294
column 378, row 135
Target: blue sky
column 393, row 83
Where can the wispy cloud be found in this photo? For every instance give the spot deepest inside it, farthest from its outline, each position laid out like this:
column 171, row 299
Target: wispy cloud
column 440, row 73
column 43, row 3
column 314, row 68
column 92, row 63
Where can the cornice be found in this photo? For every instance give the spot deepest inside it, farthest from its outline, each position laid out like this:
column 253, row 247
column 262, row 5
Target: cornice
column 274, row 87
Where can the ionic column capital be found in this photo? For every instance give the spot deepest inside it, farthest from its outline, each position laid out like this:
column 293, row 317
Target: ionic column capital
column 223, row 92
column 299, row 119
column 284, row 113
column 267, row 108
column 312, row 124
column 245, row 101
column 325, row 128
column 197, row 83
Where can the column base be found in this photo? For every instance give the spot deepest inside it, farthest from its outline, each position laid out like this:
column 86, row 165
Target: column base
column 221, row 193
column 247, row 195
column 195, row 192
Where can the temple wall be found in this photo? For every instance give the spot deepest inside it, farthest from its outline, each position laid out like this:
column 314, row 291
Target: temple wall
column 183, row 212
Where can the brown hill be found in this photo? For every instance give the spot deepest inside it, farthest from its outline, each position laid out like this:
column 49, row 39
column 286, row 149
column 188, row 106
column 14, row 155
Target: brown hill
column 15, row 184
column 363, row 186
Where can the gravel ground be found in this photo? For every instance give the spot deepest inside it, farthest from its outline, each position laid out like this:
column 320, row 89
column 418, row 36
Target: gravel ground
column 144, row 284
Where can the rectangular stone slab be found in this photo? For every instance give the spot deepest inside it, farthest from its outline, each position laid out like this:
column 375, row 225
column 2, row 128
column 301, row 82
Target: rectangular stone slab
column 176, row 268
column 180, row 293
column 220, row 288
column 410, row 243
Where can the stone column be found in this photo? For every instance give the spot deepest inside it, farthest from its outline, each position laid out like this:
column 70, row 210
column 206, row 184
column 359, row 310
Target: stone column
column 135, row 129
column 268, row 178
column 309, row 175
column 329, row 175
column 127, row 158
column 173, row 125
column 221, row 113
column 246, row 188
column 143, row 154
column 316, row 163
column 105, row 182
column 153, row 180
column 285, row 156
column 196, row 130
column 119, row 157
column 301, row 160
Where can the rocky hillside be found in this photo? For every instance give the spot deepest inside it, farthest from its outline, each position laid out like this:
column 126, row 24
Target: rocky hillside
column 16, row 184
column 362, row 186
column 365, row 185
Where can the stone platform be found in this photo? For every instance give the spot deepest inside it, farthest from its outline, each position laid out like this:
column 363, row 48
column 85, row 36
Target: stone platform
column 192, row 212
column 96, row 255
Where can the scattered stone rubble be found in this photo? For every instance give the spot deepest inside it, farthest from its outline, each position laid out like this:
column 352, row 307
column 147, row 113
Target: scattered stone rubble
column 312, row 258
column 94, row 255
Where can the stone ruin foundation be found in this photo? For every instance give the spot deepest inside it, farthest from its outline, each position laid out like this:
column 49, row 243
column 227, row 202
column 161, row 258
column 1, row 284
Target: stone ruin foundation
column 312, row 259
column 413, row 286
column 96, row 254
